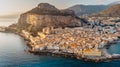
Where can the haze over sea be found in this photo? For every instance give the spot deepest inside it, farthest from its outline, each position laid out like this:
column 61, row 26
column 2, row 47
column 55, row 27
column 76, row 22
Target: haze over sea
column 7, row 21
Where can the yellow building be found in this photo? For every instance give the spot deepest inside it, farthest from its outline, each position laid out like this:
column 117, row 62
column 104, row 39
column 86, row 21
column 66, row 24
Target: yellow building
column 91, row 52
column 47, row 30
column 41, row 35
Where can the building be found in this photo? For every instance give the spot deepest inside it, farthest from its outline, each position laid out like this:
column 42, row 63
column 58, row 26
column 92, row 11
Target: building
column 92, row 52
column 26, row 34
column 2, row 29
column 41, row 35
column 47, row 30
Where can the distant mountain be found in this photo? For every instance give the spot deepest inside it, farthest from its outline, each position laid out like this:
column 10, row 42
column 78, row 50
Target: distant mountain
column 114, row 3
column 112, row 11
column 87, row 9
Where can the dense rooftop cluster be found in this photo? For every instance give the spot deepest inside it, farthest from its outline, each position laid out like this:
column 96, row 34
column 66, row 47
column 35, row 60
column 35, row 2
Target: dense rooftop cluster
column 70, row 40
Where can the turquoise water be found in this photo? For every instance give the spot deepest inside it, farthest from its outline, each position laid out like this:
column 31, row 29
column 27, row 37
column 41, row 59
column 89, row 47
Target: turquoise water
column 114, row 49
column 12, row 54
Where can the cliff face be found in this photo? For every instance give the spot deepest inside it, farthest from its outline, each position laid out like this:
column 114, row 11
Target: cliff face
column 49, row 20
column 46, row 15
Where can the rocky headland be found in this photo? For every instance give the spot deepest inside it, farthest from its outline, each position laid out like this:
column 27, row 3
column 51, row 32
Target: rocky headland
column 48, row 30
column 46, row 15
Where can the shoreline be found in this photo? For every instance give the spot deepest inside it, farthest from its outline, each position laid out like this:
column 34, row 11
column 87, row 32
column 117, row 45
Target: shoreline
column 70, row 55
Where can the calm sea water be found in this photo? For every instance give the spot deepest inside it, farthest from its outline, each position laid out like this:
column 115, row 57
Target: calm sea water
column 12, row 54
column 114, row 49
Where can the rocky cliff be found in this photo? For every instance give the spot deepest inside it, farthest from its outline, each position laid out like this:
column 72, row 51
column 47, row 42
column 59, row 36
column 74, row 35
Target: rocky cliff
column 46, row 15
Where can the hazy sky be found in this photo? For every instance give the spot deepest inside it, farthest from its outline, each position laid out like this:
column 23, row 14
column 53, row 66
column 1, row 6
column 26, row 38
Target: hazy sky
column 8, row 7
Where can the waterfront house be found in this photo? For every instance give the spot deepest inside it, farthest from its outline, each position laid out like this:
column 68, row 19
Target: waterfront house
column 41, row 35
column 92, row 52
column 26, row 34
column 47, row 30
column 2, row 29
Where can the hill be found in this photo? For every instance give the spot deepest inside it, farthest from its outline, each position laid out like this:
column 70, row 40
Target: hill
column 87, row 9
column 47, row 15
column 112, row 11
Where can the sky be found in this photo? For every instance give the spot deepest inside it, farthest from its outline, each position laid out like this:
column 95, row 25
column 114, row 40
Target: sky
column 14, row 7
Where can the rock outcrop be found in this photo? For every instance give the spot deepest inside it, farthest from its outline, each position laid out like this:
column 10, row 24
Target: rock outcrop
column 46, row 15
